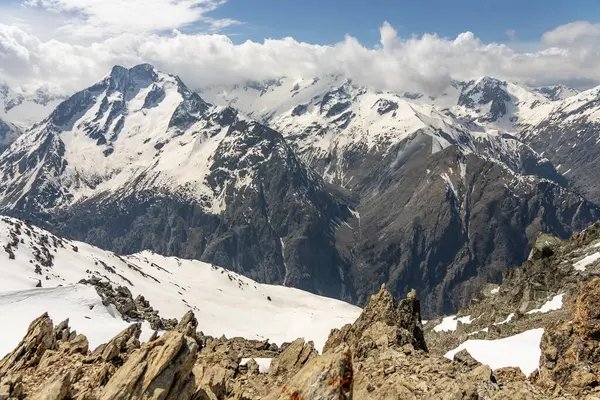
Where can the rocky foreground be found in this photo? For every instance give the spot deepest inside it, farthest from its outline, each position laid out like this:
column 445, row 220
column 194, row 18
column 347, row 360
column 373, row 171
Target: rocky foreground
column 383, row 355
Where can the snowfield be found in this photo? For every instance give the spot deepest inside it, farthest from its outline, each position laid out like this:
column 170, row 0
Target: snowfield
column 224, row 302
column 522, row 350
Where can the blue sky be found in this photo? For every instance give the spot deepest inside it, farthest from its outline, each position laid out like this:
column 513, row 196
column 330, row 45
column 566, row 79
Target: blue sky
column 327, row 21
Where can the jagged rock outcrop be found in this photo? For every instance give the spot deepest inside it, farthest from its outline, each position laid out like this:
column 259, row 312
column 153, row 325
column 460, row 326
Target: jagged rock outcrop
column 39, row 338
column 160, row 369
column 125, row 341
column 571, row 349
column 383, row 319
column 131, row 309
column 327, row 377
column 293, row 357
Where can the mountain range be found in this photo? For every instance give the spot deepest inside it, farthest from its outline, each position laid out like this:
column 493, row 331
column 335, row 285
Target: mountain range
column 319, row 184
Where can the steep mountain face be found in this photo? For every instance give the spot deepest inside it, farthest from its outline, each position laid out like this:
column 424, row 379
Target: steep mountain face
column 138, row 161
column 8, row 134
column 443, row 202
column 25, row 109
column 569, row 138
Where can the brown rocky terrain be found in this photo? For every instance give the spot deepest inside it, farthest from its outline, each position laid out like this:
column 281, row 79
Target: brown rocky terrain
column 385, row 354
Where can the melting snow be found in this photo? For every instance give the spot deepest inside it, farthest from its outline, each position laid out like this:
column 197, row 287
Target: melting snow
column 495, row 290
column 479, row 331
column 507, row 320
column 553, row 304
column 450, row 323
column 582, row 264
column 522, row 350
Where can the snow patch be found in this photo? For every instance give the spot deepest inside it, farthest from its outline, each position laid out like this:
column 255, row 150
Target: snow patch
column 507, row 320
column 450, row 323
column 551, row 305
column 522, row 350
column 583, row 263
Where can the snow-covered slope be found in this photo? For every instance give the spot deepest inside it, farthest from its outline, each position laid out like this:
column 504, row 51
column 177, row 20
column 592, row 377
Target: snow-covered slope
column 500, row 104
column 224, row 302
column 8, row 134
column 568, row 136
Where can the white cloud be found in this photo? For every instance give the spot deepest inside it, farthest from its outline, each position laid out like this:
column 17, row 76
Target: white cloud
column 419, row 63
column 572, row 34
column 107, row 18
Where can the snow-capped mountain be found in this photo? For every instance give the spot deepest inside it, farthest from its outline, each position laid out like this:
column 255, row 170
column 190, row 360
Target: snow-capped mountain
column 556, row 92
column 347, row 188
column 500, row 104
column 334, row 124
column 569, row 137
column 26, row 109
column 8, row 134
column 42, row 272
column 415, row 163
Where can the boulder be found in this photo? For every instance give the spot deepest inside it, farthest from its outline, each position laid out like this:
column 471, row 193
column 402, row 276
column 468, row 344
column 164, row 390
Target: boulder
column 465, row 358
column 57, row 387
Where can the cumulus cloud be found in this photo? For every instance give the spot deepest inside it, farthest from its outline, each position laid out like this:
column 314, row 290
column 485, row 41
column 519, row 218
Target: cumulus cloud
column 420, row 63
column 572, row 34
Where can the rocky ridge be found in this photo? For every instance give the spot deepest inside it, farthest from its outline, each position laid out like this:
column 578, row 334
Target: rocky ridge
column 382, row 355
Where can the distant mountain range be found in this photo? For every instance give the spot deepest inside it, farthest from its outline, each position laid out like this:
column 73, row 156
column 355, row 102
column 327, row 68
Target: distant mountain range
column 319, row 184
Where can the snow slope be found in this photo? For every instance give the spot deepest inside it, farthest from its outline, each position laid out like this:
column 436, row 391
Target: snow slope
column 8, row 134
column 224, row 302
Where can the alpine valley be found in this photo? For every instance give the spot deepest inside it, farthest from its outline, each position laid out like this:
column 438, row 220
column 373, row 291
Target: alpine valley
column 318, row 184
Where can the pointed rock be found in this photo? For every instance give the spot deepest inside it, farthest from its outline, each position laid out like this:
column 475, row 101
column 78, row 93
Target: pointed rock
column 293, row 357
column 127, row 340
column 39, row 338
column 188, row 325
column 161, row 369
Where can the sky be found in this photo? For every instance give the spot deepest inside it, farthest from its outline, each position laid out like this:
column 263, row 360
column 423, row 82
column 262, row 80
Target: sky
column 62, row 46
column 327, row 21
